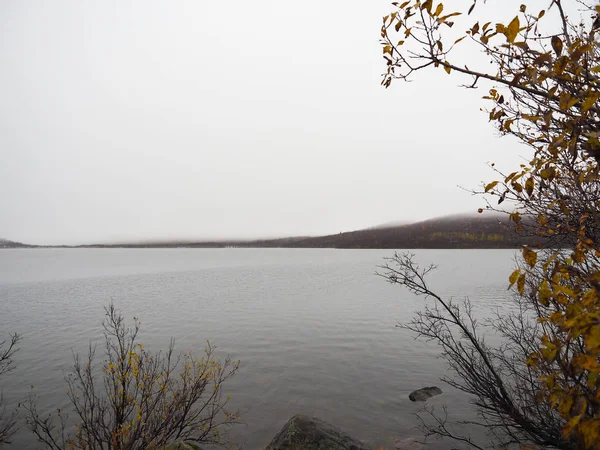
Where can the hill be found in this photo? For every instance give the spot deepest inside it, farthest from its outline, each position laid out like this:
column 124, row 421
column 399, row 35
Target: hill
column 462, row 231
column 458, row 231
column 5, row 243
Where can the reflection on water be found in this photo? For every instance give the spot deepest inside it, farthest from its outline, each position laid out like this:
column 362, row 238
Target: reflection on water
column 315, row 329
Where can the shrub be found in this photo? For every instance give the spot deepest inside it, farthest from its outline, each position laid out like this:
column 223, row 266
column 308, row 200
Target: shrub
column 141, row 400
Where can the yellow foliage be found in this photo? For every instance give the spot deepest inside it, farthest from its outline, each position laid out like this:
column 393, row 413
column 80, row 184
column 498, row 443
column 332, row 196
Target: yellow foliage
column 530, row 256
column 521, row 284
column 543, row 90
column 512, row 30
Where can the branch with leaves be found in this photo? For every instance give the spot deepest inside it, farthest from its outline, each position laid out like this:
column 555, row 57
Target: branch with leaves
column 145, row 400
column 542, row 83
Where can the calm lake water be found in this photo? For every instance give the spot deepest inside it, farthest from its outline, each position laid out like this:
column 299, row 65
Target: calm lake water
column 315, row 329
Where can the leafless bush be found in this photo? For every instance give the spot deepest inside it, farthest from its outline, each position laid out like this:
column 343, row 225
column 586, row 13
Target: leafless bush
column 8, row 419
column 503, row 386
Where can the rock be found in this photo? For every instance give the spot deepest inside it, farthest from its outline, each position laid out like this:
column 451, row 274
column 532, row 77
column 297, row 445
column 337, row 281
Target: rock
column 423, row 394
column 183, row 446
column 407, row 444
column 309, row 433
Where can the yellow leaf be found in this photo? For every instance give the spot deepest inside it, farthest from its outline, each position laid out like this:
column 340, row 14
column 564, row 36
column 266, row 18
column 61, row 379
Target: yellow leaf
column 557, row 45
column 521, row 284
column 578, row 256
column 447, row 16
column 514, row 277
column 549, row 354
column 530, row 256
column 529, row 186
column 589, row 298
column 447, row 68
column 512, row 30
column 560, row 65
column 592, row 379
column 544, row 293
column 572, row 102
column 592, row 338
column 586, row 362
column 547, row 173
column 591, row 432
column 589, row 102
column 542, row 59
column 438, row 10
column 594, row 277
column 564, row 406
column 490, row 186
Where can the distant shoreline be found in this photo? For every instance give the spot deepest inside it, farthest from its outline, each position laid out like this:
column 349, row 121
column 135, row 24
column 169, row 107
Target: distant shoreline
column 217, row 246
column 455, row 232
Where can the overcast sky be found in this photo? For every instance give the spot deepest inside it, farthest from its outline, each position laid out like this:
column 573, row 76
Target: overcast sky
column 134, row 120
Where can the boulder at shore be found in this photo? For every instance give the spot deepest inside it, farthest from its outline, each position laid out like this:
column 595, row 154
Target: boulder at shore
column 423, row 394
column 183, row 446
column 309, row 433
column 408, row 444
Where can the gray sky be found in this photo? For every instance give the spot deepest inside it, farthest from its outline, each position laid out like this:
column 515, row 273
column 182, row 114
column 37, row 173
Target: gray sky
column 202, row 119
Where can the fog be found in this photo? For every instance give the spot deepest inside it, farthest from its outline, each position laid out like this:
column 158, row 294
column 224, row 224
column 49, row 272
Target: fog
column 152, row 120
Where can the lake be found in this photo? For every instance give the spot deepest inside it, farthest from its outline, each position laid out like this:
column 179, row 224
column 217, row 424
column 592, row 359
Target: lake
column 315, row 329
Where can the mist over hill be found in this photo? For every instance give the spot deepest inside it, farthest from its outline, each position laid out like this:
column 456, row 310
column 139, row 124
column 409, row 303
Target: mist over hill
column 456, row 231
column 487, row 230
column 5, row 243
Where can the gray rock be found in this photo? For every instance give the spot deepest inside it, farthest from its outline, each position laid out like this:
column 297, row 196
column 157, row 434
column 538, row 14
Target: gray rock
column 408, row 444
column 309, row 433
column 183, row 446
column 422, row 395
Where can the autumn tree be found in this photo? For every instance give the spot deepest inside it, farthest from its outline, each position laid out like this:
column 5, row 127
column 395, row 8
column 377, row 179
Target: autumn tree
column 8, row 419
column 144, row 400
column 540, row 71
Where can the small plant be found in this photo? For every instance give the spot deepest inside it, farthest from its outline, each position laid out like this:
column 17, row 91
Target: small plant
column 8, row 420
column 144, row 400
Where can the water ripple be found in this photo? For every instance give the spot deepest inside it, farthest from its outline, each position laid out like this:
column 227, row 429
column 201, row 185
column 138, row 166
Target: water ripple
column 315, row 329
